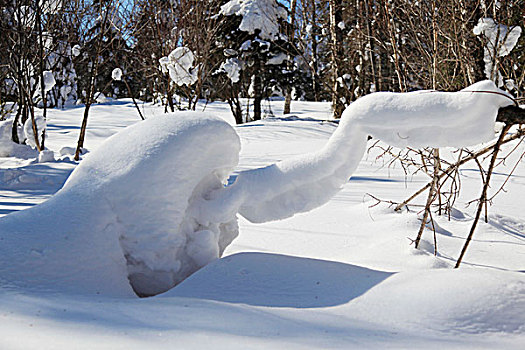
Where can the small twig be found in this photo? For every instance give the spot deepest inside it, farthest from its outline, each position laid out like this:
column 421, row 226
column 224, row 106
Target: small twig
column 519, row 133
column 483, row 197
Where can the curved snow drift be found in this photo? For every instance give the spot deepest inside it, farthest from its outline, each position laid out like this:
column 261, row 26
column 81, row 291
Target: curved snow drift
column 149, row 206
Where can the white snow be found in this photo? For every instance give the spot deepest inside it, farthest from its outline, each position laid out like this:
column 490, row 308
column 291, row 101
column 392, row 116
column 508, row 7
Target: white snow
column 162, row 243
column 179, row 64
column 116, row 74
column 500, row 41
column 76, row 50
column 9, row 148
column 232, row 67
column 431, row 118
column 25, row 16
column 416, row 119
column 49, row 80
column 50, row 6
column 278, row 59
column 29, row 133
column 341, row 276
column 257, row 15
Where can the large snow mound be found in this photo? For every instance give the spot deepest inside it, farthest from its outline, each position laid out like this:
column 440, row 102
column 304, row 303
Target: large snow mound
column 124, row 212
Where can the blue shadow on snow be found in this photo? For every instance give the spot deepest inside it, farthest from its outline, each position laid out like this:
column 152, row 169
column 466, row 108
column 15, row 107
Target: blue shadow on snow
column 274, row 280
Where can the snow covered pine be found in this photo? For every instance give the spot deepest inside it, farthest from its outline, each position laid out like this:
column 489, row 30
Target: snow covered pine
column 150, row 207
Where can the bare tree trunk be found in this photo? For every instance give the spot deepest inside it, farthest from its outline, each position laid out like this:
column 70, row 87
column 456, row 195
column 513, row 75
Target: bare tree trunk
column 257, row 90
column 483, row 198
column 291, row 36
column 336, row 36
column 91, row 87
column 41, row 64
column 315, row 59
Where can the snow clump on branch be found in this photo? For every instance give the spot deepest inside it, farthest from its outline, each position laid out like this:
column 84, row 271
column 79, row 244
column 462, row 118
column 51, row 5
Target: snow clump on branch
column 179, row 65
column 262, row 15
column 500, row 40
column 116, row 74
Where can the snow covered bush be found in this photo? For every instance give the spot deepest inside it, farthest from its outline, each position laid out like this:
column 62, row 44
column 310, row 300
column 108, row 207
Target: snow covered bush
column 256, row 52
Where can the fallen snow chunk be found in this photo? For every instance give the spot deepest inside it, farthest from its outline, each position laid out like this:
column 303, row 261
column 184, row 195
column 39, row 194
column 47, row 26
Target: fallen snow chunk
column 46, row 156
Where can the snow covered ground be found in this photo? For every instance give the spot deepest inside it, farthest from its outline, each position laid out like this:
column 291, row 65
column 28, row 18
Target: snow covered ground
column 341, row 276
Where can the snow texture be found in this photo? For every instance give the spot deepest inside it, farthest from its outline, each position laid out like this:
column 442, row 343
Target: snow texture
column 76, row 50
column 179, row 65
column 415, row 119
column 116, row 74
column 49, row 80
column 150, row 205
column 232, row 67
column 28, row 130
column 500, row 41
column 278, row 59
column 126, row 212
column 8, row 148
column 257, row 15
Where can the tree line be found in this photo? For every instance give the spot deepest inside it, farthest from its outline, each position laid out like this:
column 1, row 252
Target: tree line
column 56, row 53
